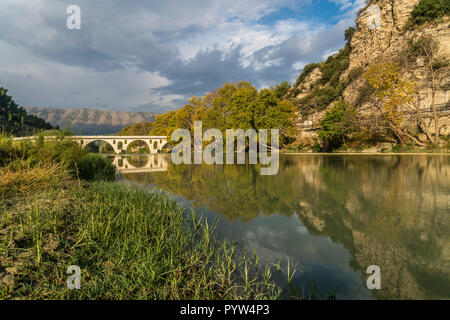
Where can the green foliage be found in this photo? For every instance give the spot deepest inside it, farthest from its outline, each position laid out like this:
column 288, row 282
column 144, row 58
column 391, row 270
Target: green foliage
column 95, row 167
column 14, row 119
column 130, row 244
column 282, row 89
column 330, row 86
column 424, row 46
column 136, row 129
column 233, row 106
column 427, row 48
column 317, row 100
column 334, row 66
column 429, row 10
column 316, row 147
column 364, row 94
column 66, row 153
column 305, row 73
column 349, row 34
column 337, row 125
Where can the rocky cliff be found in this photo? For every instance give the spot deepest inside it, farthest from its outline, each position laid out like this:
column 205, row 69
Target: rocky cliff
column 384, row 33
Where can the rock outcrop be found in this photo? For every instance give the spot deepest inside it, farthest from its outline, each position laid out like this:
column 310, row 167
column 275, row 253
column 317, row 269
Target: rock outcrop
column 386, row 39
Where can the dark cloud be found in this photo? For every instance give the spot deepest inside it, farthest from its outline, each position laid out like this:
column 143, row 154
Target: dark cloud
column 151, row 55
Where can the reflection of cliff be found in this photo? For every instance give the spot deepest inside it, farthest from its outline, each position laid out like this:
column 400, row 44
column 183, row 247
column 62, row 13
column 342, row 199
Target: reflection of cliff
column 390, row 211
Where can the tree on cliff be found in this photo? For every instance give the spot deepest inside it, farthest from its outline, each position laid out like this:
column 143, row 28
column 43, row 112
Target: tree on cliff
column 427, row 48
column 392, row 92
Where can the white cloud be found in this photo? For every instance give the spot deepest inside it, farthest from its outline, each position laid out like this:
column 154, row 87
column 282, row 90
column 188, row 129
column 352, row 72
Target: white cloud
column 36, row 81
column 154, row 53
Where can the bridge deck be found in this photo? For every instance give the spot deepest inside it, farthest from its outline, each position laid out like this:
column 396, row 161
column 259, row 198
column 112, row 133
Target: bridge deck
column 95, row 137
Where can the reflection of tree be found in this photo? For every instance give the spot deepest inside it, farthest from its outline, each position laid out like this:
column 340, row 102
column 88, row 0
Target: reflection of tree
column 390, row 211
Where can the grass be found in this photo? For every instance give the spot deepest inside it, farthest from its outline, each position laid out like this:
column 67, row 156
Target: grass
column 129, row 244
column 25, row 179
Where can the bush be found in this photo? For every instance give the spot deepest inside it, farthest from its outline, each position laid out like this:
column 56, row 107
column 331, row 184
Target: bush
column 336, row 126
column 316, row 147
column 429, row 10
column 335, row 66
column 62, row 152
column 95, row 167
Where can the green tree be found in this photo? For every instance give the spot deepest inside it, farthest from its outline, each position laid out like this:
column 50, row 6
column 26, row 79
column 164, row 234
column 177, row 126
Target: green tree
column 337, row 125
column 15, row 120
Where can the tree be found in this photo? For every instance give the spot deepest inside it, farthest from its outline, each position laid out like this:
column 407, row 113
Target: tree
column 15, row 120
column 234, row 106
column 136, row 129
column 349, row 34
column 337, row 125
column 282, row 89
column 427, row 48
column 392, row 92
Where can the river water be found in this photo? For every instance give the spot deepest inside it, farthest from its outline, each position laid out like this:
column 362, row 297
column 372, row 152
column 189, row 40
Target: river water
column 334, row 215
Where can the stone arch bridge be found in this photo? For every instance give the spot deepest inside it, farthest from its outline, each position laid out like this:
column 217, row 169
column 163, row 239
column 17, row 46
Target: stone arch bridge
column 118, row 143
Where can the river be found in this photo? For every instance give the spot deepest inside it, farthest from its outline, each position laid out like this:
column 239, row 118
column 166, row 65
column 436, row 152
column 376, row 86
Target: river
column 334, row 215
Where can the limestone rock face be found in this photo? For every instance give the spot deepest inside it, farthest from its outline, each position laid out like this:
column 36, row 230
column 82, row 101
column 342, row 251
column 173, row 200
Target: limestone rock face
column 307, row 85
column 382, row 33
column 386, row 39
column 380, row 38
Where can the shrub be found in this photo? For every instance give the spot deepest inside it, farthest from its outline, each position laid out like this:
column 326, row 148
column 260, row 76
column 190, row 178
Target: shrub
column 364, row 94
column 349, row 34
column 429, row 10
column 95, row 167
column 316, row 147
column 335, row 66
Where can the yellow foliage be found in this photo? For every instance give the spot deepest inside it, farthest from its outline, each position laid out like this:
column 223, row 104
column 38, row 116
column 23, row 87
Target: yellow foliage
column 390, row 89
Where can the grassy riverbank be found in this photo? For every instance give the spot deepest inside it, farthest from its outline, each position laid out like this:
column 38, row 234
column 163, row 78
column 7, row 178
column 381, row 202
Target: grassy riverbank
column 129, row 243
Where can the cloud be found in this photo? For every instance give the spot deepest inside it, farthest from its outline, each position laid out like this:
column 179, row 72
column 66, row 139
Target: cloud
column 154, row 55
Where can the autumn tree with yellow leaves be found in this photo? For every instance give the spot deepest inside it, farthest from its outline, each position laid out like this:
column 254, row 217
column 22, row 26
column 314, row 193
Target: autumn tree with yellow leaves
column 393, row 95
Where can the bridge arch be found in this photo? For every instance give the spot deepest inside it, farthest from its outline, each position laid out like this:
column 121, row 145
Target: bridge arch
column 129, row 143
column 85, row 143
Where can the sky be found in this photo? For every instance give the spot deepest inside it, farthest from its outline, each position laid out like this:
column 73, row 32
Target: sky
column 148, row 55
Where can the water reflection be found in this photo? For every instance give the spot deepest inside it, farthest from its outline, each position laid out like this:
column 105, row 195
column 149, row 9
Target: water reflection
column 140, row 164
column 337, row 214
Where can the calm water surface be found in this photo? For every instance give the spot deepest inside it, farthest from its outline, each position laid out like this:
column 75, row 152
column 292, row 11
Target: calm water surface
column 336, row 215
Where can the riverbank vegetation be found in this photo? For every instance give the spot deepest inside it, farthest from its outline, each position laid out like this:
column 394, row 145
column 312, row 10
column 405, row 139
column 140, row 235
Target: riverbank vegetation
column 129, row 243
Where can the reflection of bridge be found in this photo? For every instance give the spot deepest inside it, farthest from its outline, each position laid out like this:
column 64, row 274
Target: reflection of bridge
column 155, row 163
column 118, row 143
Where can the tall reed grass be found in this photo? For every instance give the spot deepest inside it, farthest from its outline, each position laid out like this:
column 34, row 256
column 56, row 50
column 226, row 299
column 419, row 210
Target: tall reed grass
column 130, row 244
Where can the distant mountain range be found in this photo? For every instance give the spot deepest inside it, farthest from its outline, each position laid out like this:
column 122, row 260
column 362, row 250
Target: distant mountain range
column 90, row 121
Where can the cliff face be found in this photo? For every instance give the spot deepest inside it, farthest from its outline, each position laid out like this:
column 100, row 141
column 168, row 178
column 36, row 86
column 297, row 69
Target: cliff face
column 386, row 39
